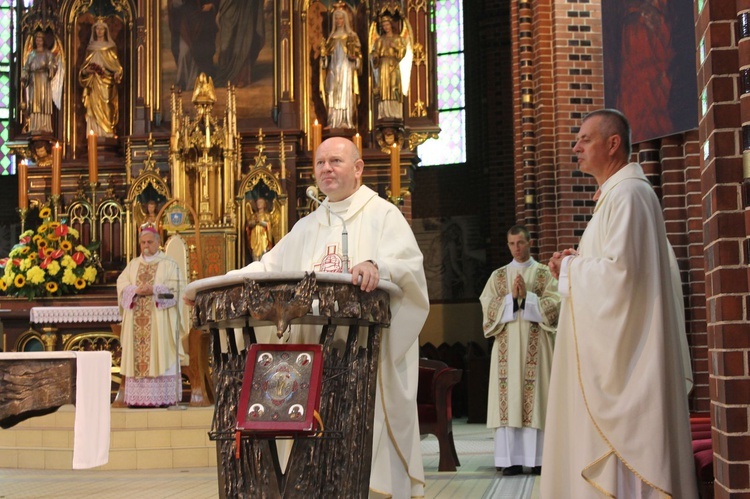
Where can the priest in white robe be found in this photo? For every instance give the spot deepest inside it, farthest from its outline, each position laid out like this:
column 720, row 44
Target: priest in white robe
column 520, row 305
column 381, row 245
column 617, row 421
column 147, row 291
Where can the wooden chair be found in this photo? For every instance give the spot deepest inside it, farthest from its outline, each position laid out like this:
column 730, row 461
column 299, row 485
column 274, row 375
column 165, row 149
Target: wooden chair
column 436, row 381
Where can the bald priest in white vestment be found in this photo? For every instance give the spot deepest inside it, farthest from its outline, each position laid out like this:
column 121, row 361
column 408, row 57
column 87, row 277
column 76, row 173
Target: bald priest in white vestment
column 383, row 246
column 617, row 420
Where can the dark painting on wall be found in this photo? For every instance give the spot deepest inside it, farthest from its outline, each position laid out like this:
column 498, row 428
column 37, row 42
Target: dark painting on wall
column 649, row 65
column 228, row 40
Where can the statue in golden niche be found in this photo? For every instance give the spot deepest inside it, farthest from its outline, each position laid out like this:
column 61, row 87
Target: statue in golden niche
column 259, row 228
column 41, row 78
column 391, row 57
column 341, row 64
column 100, row 74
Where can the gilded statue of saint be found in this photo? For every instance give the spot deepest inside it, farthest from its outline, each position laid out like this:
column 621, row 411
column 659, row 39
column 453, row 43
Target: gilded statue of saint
column 341, row 62
column 42, row 80
column 390, row 80
column 100, row 74
column 258, row 230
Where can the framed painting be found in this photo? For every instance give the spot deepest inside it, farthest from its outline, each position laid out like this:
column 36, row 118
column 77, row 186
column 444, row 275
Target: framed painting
column 228, row 40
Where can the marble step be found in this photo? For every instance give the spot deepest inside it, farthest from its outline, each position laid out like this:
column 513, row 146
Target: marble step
column 140, row 439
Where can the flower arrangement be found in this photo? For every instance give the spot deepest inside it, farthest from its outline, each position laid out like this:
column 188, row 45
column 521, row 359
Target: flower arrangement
column 47, row 262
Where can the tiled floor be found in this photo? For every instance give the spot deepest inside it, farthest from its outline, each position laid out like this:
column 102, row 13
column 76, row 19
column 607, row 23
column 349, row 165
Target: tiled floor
column 477, row 477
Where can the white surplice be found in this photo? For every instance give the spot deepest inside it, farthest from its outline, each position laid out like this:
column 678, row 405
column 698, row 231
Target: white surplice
column 617, row 421
column 377, row 231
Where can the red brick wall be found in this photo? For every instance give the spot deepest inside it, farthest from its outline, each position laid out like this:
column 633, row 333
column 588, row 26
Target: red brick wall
column 539, row 71
column 725, row 88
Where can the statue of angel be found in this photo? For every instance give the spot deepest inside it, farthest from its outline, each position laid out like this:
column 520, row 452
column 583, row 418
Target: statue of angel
column 391, row 58
column 42, row 76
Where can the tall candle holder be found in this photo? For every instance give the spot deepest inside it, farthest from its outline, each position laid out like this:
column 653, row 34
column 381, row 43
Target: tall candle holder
column 54, row 201
column 93, row 186
column 22, row 212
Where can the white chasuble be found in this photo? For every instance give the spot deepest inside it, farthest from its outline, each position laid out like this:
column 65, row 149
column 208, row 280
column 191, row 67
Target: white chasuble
column 377, row 231
column 617, row 417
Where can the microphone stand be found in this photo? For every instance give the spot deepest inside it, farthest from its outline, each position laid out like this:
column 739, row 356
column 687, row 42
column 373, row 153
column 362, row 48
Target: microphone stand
column 312, row 193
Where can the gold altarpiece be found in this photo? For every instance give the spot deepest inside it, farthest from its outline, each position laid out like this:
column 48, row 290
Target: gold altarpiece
column 215, row 153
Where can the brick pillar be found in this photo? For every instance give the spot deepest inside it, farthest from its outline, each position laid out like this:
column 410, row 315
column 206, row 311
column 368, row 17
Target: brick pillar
column 723, row 50
column 649, row 156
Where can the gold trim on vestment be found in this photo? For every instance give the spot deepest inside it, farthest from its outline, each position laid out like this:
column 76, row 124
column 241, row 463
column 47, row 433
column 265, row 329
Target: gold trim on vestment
column 142, row 320
column 531, row 358
column 586, row 403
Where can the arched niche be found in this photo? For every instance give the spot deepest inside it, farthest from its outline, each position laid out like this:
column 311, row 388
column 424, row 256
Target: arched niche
column 260, row 183
column 146, row 183
column 80, row 16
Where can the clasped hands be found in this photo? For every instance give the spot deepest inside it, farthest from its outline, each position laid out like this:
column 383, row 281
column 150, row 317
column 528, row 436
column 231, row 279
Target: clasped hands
column 144, row 290
column 519, row 288
column 555, row 262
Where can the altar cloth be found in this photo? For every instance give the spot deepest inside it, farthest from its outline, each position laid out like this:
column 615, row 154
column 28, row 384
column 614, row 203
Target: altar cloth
column 92, row 415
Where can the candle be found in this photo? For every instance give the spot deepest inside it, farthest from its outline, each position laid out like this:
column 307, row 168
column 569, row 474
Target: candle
column 208, row 132
column 317, row 135
column 23, row 189
column 395, row 170
column 93, row 165
column 56, row 169
column 358, row 143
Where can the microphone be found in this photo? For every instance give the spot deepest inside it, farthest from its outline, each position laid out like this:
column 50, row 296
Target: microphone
column 165, row 296
column 312, row 193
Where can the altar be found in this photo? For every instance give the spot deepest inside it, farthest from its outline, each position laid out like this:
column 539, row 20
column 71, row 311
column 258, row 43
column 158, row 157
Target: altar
column 336, row 461
column 35, row 383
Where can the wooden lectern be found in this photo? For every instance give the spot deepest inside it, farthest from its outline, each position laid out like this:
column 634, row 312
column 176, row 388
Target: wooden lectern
column 323, row 308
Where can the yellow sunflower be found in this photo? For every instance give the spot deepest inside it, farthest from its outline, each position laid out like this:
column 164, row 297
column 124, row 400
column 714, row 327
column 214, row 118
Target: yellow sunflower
column 51, row 287
column 66, row 245
column 19, row 281
column 48, row 251
column 80, row 283
column 54, row 225
column 3, row 285
column 24, row 250
column 42, row 243
column 36, row 239
column 45, row 212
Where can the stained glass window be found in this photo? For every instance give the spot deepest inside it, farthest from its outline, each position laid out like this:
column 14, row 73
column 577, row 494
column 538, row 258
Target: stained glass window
column 6, row 39
column 450, row 147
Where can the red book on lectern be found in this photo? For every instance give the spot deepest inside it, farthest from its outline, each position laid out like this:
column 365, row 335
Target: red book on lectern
column 280, row 390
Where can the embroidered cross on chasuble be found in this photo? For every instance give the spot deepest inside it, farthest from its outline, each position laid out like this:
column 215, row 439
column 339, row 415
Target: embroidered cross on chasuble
column 332, row 261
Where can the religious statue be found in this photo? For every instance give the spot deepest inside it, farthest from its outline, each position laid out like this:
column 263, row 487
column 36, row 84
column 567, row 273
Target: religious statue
column 258, row 230
column 41, row 76
column 204, row 92
column 390, row 57
column 150, row 215
column 341, row 62
column 100, row 74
